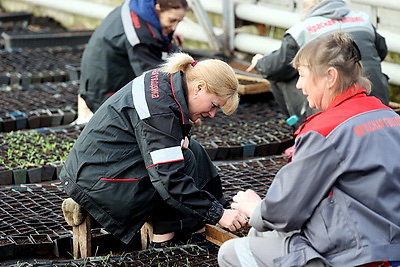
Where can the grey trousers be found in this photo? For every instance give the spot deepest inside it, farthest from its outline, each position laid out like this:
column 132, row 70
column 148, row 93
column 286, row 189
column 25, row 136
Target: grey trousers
column 257, row 249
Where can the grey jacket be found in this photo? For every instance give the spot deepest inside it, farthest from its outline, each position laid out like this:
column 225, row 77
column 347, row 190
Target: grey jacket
column 327, row 16
column 342, row 188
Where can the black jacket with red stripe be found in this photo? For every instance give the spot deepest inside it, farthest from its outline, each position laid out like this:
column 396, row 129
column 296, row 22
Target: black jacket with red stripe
column 129, row 156
column 120, row 49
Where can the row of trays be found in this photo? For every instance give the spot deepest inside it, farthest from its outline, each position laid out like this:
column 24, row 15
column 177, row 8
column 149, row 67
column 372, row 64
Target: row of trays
column 18, row 120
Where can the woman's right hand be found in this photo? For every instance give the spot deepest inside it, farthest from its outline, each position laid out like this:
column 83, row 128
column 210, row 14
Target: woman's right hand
column 233, row 220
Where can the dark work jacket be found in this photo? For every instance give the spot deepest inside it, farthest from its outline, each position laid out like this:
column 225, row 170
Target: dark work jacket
column 128, row 158
column 327, row 16
column 120, row 49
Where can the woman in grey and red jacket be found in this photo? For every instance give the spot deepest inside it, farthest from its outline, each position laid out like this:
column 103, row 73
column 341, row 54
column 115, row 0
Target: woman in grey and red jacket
column 135, row 37
column 336, row 202
column 134, row 161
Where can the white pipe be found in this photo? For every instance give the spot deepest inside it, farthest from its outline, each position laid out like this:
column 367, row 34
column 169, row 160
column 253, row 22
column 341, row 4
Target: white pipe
column 193, row 31
column 80, row 7
column 255, row 44
column 392, row 40
column 267, row 15
column 214, row 6
column 392, row 70
column 389, row 4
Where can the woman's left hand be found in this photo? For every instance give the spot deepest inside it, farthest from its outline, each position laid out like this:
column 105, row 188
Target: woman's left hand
column 246, row 202
column 178, row 38
column 185, row 143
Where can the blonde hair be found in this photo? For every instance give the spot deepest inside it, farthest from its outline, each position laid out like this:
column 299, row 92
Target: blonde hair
column 220, row 78
column 337, row 50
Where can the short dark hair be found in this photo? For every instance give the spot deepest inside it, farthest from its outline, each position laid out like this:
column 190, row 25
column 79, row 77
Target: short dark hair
column 172, row 4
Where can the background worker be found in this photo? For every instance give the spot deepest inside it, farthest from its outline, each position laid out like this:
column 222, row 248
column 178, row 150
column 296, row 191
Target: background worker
column 332, row 205
column 133, row 38
column 320, row 17
column 134, row 161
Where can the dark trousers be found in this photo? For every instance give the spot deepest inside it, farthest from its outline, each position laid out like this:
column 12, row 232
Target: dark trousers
column 166, row 219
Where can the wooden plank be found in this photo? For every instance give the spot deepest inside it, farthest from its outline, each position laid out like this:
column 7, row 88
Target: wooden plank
column 146, row 234
column 395, row 106
column 217, row 235
column 252, row 85
column 85, row 238
column 82, row 239
column 75, row 242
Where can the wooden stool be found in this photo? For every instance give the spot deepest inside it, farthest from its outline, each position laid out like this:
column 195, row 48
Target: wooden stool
column 146, row 234
column 82, row 237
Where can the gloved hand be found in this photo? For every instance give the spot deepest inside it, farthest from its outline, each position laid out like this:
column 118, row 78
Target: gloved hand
column 73, row 212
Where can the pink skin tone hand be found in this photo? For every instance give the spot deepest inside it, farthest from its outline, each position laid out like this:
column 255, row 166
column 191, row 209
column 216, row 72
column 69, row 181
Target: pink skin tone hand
column 245, row 202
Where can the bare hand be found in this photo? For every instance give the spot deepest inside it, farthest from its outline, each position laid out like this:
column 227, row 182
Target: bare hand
column 254, row 61
column 178, row 39
column 246, row 202
column 233, row 220
column 198, row 122
column 185, row 143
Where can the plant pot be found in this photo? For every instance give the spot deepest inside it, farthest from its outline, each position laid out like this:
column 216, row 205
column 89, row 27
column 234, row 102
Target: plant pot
column 69, row 116
column 8, row 124
column 19, row 176
column 48, row 172
column 58, row 166
column 24, row 246
column 235, row 150
column 211, row 149
column 249, row 147
column 222, row 152
column 56, row 117
column 33, row 120
column 43, row 244
column 63, row 246
column 20, row 119
column 6, row 248
column 34, row 175
column 45, row 117
column 26, row 80
column 6, row 175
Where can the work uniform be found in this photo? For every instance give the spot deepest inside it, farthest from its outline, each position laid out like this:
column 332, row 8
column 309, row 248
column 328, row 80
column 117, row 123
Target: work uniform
column 120, row 49
column 337, row 200
column 325, row 17
column 128, row 159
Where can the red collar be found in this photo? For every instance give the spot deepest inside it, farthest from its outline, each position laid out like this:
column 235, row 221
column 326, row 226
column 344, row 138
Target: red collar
column 351, row 92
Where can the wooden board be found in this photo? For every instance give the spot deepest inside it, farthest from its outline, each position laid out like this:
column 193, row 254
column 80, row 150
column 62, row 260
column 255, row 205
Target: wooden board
column 217, row 235
column 252, row 85
column 395, row 106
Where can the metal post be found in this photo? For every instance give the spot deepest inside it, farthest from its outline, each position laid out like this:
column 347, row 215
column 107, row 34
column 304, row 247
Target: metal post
column 204, row 21
column 229, row 27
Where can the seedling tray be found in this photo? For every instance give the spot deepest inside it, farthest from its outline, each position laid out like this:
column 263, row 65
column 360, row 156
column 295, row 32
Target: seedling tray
column 15, row 16
column 70, row 38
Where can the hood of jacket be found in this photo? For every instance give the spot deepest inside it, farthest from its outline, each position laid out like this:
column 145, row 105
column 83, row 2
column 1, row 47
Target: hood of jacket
column 145, row 9
column 333, row 9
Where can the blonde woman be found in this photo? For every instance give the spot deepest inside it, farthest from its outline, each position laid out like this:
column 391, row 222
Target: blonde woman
column 135, row 162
